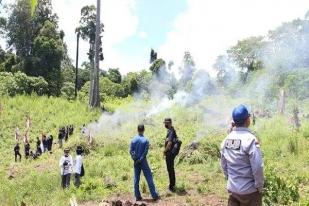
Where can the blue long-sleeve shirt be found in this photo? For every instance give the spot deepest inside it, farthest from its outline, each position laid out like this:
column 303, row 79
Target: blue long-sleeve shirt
column 139, row 148
column 242, row 163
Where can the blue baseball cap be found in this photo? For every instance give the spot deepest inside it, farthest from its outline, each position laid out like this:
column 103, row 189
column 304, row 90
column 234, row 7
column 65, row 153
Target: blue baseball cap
column 240, row 114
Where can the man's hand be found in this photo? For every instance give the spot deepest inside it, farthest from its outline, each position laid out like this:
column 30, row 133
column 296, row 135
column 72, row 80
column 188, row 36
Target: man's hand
column 137, row 162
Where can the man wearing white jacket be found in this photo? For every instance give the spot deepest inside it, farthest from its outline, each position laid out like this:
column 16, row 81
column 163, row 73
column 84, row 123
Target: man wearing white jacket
column 66, row 164
column 78, row 166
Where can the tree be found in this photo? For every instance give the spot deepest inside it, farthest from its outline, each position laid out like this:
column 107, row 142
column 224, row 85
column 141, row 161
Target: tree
column 114, row 75
column 157, row 65
column 20, row 28
column 247, row 54
column 94, row 96
column 153, row 56
column 222, row 67
column 187, row 70
column 48, row 50
column 87, row 30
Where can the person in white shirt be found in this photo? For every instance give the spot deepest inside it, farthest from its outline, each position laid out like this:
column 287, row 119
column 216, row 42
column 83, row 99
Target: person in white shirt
column 66, row 164
column 78, row 167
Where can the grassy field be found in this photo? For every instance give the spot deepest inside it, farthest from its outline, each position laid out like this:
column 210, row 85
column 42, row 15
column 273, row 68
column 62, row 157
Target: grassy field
column 108, row 165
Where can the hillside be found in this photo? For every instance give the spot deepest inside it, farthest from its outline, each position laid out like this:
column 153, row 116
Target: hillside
column 109, row 172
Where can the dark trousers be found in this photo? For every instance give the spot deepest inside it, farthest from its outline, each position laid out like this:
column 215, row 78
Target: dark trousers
column 27, row 154
column 65, row 180
column 253, row 199
column 77, row 180
column 170, row 169
column 17, row 154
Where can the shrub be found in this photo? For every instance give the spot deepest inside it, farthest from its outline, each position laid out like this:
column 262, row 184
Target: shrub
column 279, row 190
column 68, row 90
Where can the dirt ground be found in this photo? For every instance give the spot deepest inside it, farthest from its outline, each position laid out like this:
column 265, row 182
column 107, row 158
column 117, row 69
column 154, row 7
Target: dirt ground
column 168, row 199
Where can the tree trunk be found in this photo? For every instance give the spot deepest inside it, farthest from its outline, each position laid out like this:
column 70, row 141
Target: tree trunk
column 91, row 92
column 95, row 102
column 76, row 66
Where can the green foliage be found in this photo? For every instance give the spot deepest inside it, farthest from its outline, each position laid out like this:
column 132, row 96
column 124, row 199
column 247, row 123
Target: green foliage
column 157, row 65
column 279, row 190
column 68, row 90
column 48, row 48
column 20, row 83
column 114, row 75
column 247, row 53
column 33, row 5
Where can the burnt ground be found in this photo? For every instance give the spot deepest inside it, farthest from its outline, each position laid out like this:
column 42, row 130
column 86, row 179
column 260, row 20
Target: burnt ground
column 185, row 199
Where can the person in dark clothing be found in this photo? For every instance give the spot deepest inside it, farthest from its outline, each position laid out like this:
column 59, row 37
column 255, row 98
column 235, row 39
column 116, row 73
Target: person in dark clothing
column 66, row 133
column 170, row 140
column 60, row 137
column 50, row 143
column 27, row 150
column 16, row 150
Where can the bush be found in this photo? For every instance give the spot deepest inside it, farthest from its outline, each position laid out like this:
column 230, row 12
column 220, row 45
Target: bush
column 68, row 90
column 20, row 83
column 279, row 190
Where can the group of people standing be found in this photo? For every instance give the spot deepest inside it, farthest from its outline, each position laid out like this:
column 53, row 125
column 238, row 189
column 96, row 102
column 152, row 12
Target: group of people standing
column 138, row 151
column 64, row 133
column 68, row 166
column 43, row 144
column 241, row 161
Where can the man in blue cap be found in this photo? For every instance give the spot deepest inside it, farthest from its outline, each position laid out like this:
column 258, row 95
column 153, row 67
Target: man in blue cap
column 138, row 150
column 242, row 162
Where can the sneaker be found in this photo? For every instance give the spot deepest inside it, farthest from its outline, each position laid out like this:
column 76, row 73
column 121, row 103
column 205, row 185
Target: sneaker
column 139, row 199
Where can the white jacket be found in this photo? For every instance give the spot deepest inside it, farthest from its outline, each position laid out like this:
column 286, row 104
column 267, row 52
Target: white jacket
column 78, row 164
column 68, row 168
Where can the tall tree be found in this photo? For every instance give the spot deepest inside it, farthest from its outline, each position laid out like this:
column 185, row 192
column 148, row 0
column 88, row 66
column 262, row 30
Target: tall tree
column 48, row 50
column 87, row 31
column 95, row 94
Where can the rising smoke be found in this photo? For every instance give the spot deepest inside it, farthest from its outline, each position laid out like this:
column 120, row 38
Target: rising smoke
column 194, row 87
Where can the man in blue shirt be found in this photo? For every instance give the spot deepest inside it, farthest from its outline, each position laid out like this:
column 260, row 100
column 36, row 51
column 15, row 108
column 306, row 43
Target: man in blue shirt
column 138, row 150
column 242, row 162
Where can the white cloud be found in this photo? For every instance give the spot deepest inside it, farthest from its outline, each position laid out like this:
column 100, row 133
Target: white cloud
column 207, row 28
column 120, row 22
column 143, row 35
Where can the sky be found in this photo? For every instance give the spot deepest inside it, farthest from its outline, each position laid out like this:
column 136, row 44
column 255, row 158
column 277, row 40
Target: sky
column 206, row 28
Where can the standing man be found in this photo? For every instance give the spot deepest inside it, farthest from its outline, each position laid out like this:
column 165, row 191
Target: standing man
column 17, row 153
column 78, row 168
column 27, row 150
column 138, row 150
column 66, row 164
column 170, row 141
column 242, row 163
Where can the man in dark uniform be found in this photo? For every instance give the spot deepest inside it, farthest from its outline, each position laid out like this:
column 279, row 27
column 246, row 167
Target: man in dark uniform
column 169, row 156
column 16, row 150
column 27, row 150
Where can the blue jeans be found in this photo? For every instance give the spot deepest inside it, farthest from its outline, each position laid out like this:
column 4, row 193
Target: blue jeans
column 148, row 175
